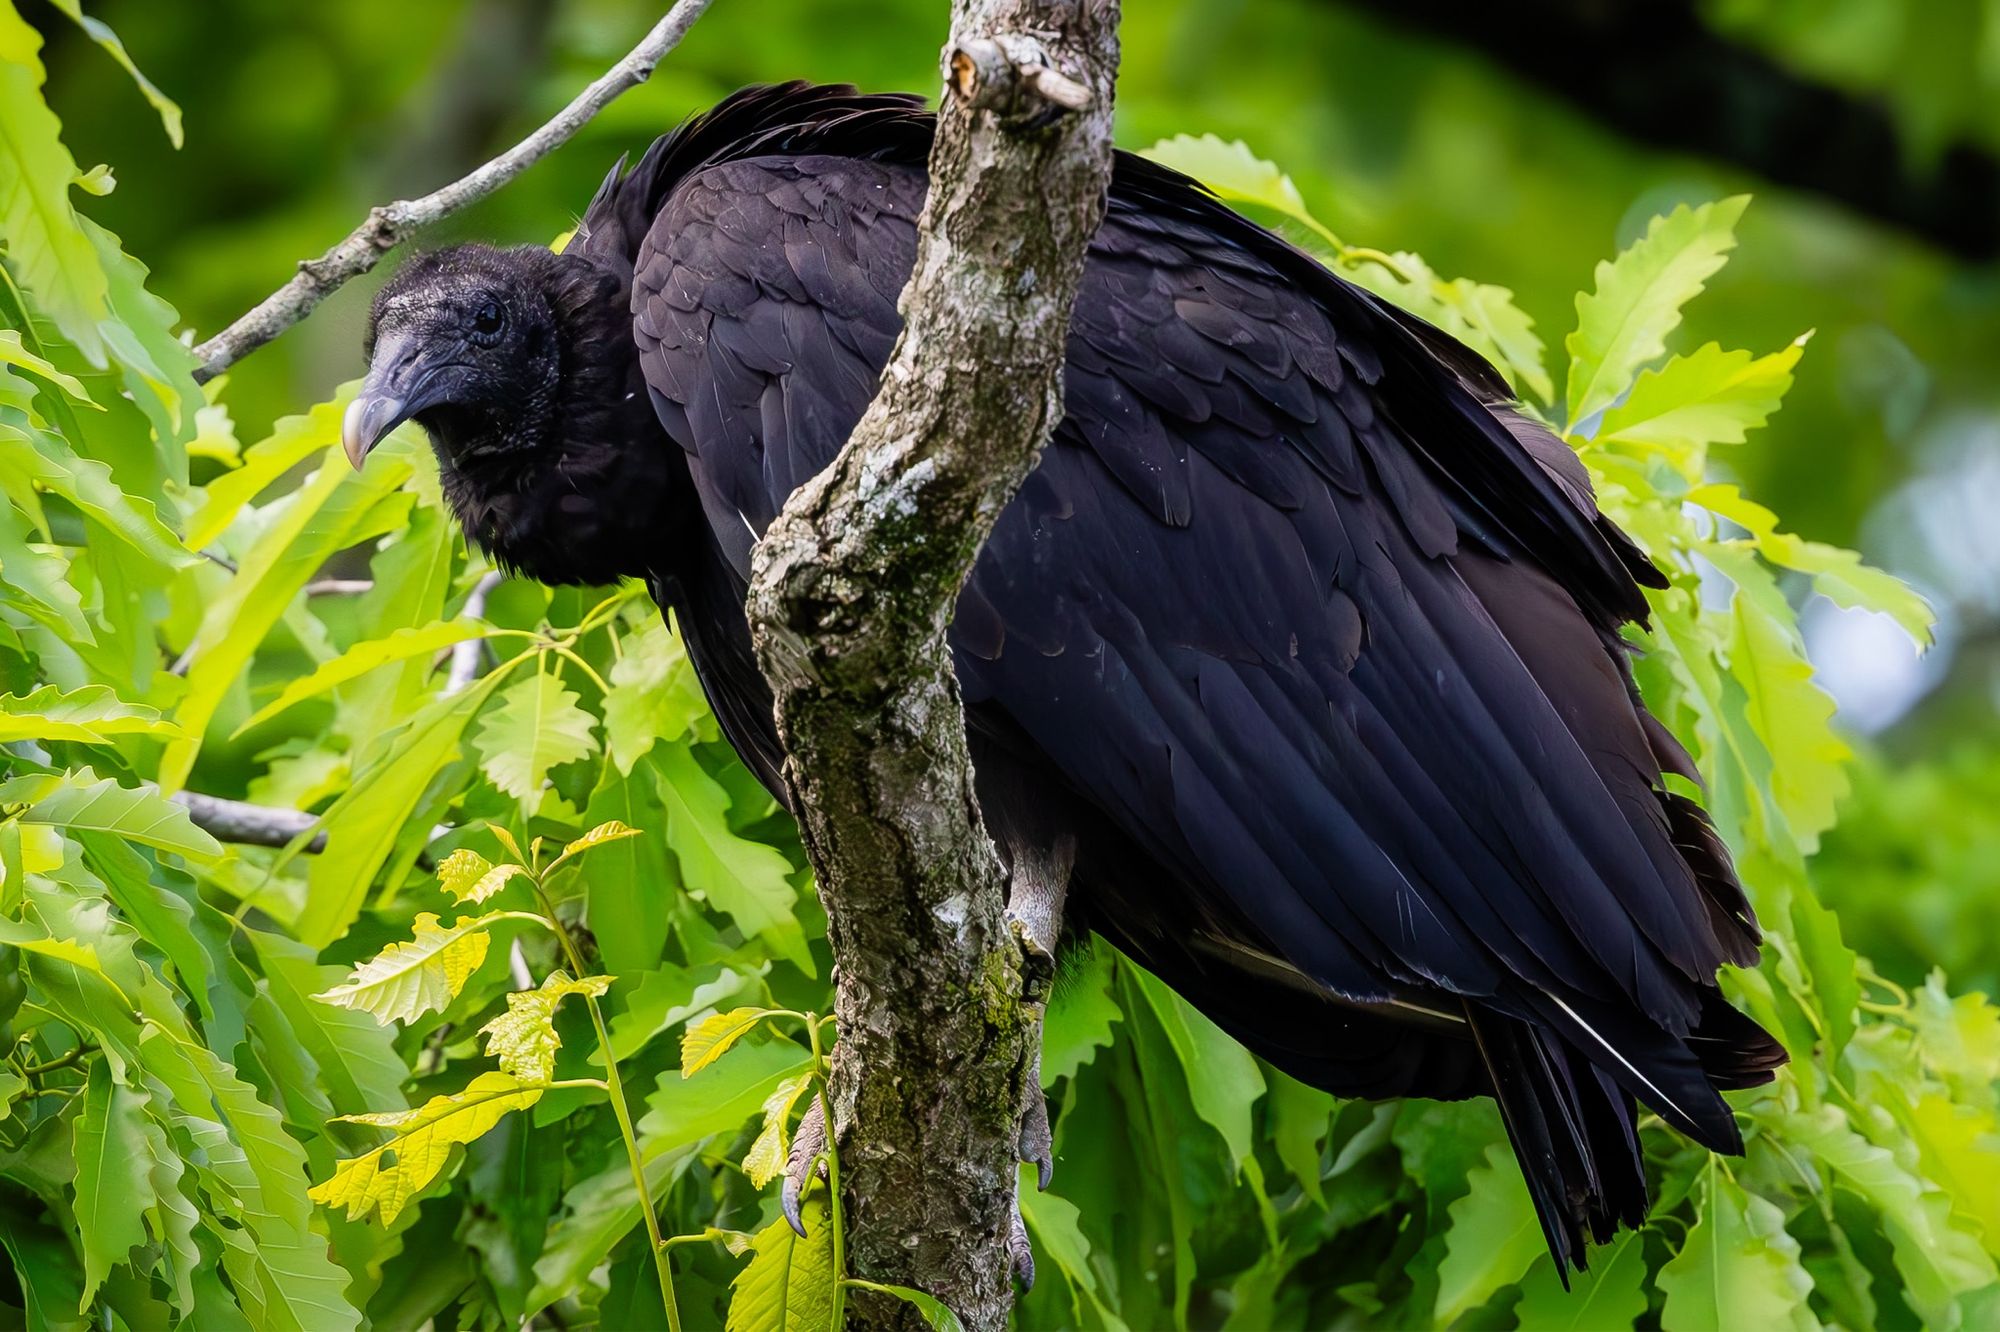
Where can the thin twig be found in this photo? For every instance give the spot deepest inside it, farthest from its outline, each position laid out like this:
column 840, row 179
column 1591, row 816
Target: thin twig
column 339, row 587
column 469, row 656
column 390, row 225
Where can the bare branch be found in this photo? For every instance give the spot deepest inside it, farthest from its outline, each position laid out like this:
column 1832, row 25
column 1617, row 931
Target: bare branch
column 851, row 591
column 391, row 224
column 469, row 657
column 339, row 587
column 247, row 824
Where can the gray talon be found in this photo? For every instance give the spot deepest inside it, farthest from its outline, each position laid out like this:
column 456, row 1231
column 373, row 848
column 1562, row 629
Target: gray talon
column 1020, row 1252
column 1037, row 1143
column 807, row 1145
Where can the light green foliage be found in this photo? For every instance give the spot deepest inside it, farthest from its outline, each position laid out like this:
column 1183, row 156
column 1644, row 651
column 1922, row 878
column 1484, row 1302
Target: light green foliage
column 174, row 1098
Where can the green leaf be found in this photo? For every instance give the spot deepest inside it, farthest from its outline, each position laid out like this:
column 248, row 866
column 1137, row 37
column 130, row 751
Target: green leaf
column 654, row 695
column 766, row 1158
column 12, row 352
column 1939, row 1259
column 1056, row 1227
column 680, row 1113
column 421, row 975
column 170, row 114
column 389, row 1178
column 45, row 247
column 1223, row 1079
column 524, row 1038
column 363, row 825
column 89, row 715
column 491, row 881
column 709, row 1039
column 929, row 1307
column 1709, row 396
column 364, row 657
column 84, row 803
column 1737, row 1268
column 1494, row 1237
column 356, row 1055
column 537, row 726
column 1624, row 322
column 746, row 879
column 114, row 1186
column 632, row 890
column 609, row 831
column 49, row 461
column 1611, row 1295
column 460, row 872
column 333, row 509
column 1235, row 173
column 1081, row 1012
column 788, row 1284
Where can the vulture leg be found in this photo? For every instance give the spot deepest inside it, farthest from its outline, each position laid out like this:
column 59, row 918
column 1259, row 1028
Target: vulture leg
column 807, row 1145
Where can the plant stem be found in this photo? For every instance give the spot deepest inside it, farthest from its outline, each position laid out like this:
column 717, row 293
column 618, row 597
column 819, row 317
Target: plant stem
column 615, row 1090
column 839, row 1319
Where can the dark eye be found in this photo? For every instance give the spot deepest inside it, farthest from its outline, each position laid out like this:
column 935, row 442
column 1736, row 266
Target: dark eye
column 487, row 322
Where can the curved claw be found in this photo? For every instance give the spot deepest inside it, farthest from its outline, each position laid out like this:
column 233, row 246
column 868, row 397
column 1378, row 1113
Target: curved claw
column 1022, row 1254
column 808, row 1144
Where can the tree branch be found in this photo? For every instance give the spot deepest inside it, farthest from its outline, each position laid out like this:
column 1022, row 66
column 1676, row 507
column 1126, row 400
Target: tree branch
column 391, row 224
column 1657, row 72
column 247, row 824
column 850, row 595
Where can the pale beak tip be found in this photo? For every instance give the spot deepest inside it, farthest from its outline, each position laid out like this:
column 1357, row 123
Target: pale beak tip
column 360, row 425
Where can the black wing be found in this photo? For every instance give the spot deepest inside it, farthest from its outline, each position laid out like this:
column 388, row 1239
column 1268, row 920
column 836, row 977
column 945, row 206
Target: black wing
column 1288, row 600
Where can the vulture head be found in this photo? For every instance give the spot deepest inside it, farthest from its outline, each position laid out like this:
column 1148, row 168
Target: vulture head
column 519, row 365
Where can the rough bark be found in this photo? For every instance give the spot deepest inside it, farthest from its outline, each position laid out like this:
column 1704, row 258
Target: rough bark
column 853, row 587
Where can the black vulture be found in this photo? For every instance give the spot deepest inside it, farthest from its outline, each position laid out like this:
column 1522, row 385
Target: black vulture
column 1300, row 642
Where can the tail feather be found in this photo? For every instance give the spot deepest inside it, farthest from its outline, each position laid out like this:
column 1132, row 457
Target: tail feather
column 1572, row 1130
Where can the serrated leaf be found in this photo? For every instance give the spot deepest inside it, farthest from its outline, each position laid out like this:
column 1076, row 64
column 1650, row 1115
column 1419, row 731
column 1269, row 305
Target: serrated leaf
column 1737, row 1268
column 1223, row 1080
column 537, row 726
column 417, row 976
column 709, row 1039
column 1081, row 1013
column 524, row 1038
column 766, row 1157
column 364, row 657
column 459, row 871
column 1623, row 323
column 1493, row 1239
column 1609, row 1297
column 45, row 247
column 788, row 1284
column 89, row 715
column 1837, row 574
column 1709, row 396
column 1235, row 173
column 654, row 695
column 113, row 1175
column 53, row 464
column 389, row 1178
column 1938, row 1258
column 487, row 884
column 136, row 813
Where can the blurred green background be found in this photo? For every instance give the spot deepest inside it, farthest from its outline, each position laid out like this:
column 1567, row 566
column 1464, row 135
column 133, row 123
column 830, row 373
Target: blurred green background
column 1409, row 134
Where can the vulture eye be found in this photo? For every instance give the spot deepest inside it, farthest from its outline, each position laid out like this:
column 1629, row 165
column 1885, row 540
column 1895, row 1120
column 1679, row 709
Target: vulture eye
column 486, row 324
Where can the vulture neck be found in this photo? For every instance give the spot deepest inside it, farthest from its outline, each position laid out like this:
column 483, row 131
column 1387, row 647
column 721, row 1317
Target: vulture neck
column 590, row 490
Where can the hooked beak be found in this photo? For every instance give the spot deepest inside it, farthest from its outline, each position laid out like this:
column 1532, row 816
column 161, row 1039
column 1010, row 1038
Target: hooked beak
column 395, row 390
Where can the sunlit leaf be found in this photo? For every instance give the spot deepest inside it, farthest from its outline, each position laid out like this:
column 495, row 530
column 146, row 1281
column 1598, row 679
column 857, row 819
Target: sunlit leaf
column 766, row 1159
column 1738, row 1268
column 415, row 976
column 748, row 880
column 389, row 1178
column 538, row 726
column 788, row 1284
column 362, row 658
column 1624, row 322
column 1494, row 1237
column 12, row 352
column 709, row 1039
column 91, row 715
column 603, row 833
column 524, row 1038
column 114, row 1185
column 83, row 802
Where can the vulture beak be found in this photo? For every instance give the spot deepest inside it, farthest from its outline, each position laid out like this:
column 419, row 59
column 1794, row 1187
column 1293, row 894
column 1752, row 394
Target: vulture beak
column 395, row 390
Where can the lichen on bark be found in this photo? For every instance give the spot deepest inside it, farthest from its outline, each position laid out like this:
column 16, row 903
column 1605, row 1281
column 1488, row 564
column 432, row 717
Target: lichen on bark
column 852, row 590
